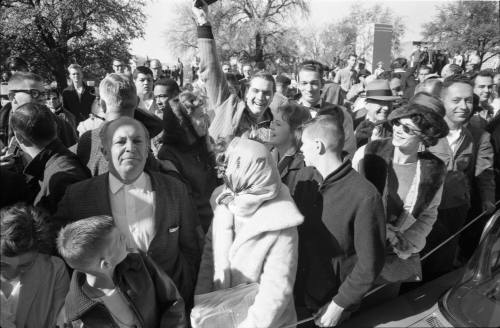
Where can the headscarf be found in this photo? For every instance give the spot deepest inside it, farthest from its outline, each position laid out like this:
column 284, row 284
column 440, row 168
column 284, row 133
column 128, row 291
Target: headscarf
column 250, row 177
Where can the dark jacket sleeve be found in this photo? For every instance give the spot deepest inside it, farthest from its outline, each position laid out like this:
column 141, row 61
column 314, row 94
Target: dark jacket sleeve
column 61, row 175
column 190, row 242
column 369, row 244
column 170, row 302
column 484, row 172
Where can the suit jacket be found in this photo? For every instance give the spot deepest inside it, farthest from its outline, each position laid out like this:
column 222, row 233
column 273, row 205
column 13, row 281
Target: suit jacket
column 470, row 176
column 51, row 172
column 176, row 246
column 42, row 294
column 80, row 107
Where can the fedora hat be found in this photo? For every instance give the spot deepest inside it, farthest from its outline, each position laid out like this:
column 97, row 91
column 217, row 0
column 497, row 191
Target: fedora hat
column 380, row 90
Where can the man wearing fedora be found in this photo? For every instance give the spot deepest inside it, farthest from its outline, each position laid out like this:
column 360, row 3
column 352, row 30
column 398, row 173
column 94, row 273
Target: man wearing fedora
column 378, row 105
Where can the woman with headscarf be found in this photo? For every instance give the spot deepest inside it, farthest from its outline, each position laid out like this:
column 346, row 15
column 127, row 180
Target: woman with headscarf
column 409, row 180
column 253, row 237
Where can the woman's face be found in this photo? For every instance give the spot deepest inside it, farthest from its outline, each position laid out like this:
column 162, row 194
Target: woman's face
column 405, row 134
column 15, row 266
column 281, row 133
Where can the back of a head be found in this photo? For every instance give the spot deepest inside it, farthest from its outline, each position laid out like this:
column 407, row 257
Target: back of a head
column 23, row 230
column 34, row 124
column 329, row 130
column 119, row 94
column 80, row 243
column 428, row 100
column 432, row 86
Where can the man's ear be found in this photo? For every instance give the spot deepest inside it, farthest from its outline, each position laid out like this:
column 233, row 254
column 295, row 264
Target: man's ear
column 104, row 264
column 103, row 105
column 319, row 146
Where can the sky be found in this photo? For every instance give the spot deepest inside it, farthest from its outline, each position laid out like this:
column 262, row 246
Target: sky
column 414, row 13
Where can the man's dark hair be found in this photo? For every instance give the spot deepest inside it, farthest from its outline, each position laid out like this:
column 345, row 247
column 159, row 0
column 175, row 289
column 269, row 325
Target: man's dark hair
column 170, row 84
column 385, row 75
column 266, row 76
column 53, row 90
column 483, row 73
column 458, row 78
column 399, row 62
column 313, row 66
column 23, row 229
column 352, row 54
column 141, row 70
column 34, row 124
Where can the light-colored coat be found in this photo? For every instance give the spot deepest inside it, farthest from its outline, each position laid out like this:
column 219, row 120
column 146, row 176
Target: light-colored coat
column 265, row 251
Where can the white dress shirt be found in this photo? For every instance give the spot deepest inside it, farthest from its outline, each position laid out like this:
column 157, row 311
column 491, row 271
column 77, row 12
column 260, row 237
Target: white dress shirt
column 133, row 208
column 453, row 139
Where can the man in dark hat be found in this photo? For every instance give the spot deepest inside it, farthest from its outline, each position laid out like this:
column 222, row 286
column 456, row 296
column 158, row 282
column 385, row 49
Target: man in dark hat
column 378, row 105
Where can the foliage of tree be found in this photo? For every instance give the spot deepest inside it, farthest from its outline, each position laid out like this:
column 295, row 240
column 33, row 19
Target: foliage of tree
column 252, row 28
column 466, row 25
column 55, row 33
column 332, row 43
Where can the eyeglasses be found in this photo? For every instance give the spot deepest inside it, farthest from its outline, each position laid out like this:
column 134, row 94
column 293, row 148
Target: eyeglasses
column 34, row 93
column 406, row 129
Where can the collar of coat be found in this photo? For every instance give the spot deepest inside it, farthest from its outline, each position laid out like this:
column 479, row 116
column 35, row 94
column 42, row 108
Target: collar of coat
column 377, row 168
column 78, row 303
column 36, row 167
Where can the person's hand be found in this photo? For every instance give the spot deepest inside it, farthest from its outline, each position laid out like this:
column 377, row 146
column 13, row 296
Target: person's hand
column 201, row 14
column 6, row 159
column 329, row 315
column 488, row 207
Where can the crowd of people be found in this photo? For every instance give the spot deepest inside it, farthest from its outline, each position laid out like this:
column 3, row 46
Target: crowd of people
column 123, row 203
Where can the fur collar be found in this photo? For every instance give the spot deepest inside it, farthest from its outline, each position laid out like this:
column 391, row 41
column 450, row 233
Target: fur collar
column 377, row 168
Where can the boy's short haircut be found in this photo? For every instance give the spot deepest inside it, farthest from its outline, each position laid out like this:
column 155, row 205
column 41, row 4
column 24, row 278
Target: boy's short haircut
column 80, row 242
column 329, row 129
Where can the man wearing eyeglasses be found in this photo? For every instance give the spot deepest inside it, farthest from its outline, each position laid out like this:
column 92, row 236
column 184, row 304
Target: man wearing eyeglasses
column 23, row 88
column 78, row 97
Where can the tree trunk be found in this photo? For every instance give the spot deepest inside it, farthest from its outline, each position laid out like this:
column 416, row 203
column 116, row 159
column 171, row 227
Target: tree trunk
column 60, row 77
column 259, row 48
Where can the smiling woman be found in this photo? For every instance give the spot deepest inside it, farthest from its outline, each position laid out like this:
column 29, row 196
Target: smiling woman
column 411, row 183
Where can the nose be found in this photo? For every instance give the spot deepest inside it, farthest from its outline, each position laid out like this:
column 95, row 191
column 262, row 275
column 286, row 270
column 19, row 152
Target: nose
column 129, row 145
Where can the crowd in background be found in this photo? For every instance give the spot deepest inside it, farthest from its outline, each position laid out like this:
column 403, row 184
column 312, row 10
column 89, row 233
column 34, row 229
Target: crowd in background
column 123, row 203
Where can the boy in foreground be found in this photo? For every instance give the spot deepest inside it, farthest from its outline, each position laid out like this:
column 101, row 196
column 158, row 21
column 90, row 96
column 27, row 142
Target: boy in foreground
column 111, row 287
